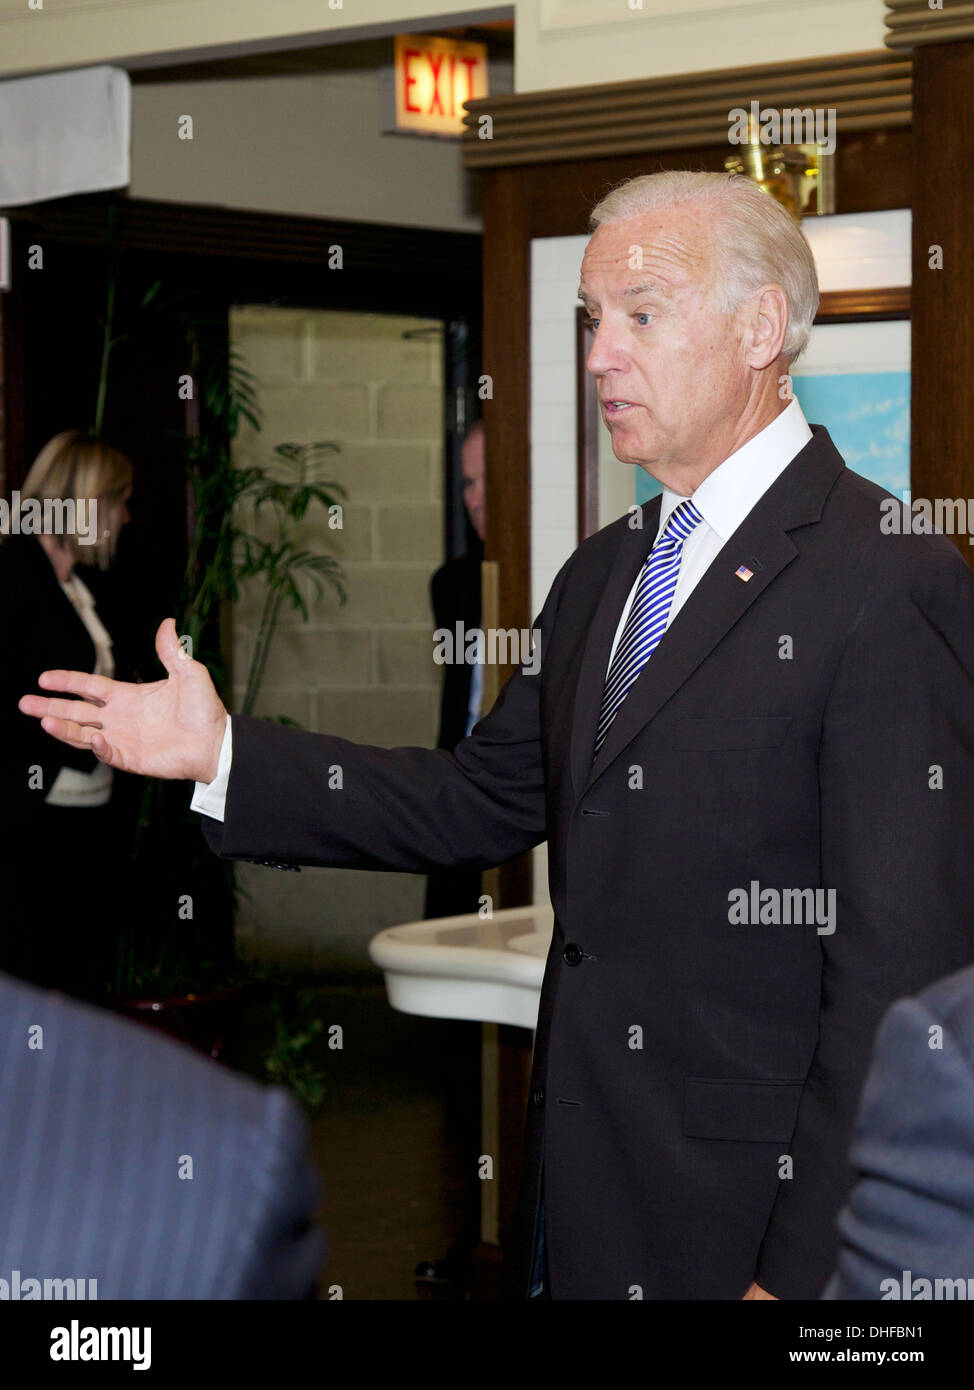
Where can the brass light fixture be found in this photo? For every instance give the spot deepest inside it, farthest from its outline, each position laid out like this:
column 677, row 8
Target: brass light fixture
column 800, row 177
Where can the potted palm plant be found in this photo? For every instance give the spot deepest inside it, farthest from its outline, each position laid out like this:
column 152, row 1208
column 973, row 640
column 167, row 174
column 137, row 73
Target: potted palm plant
column 176, row 964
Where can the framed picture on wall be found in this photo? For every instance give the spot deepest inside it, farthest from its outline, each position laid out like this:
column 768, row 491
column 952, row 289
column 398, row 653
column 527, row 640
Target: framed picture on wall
column 853, row 378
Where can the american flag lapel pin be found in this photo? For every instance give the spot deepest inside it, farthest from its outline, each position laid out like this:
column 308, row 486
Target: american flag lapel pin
column 744, row 574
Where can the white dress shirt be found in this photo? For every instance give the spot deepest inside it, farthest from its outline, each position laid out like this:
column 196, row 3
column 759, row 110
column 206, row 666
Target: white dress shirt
column 723, row 499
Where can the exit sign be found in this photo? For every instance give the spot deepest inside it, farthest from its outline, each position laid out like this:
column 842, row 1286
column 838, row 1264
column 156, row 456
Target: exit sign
column 434, row 77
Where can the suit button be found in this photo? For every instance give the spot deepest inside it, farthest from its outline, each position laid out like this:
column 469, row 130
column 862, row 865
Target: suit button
column 572, row 954
column 539, row 1096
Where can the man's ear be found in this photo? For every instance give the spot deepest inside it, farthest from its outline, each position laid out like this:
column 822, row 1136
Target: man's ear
column 767, row 327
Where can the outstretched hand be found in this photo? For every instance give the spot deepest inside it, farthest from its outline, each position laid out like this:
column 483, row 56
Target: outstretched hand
column 170, row 728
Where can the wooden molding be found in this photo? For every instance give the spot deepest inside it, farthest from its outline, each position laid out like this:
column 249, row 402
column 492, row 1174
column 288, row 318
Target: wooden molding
column 848, row 306
column 204, row 230
column 910, row 23
column 868, row 91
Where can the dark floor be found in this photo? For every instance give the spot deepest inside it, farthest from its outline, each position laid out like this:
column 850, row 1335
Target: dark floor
column 386, row 1137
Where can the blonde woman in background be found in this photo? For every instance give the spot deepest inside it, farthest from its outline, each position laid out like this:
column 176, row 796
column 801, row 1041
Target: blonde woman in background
column 57, row 851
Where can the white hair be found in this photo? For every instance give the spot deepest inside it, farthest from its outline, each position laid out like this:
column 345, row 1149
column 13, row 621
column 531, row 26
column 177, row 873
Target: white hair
column 757, row 241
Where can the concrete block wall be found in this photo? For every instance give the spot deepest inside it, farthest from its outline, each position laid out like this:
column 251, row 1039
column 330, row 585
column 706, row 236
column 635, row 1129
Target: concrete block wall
column 364, row 671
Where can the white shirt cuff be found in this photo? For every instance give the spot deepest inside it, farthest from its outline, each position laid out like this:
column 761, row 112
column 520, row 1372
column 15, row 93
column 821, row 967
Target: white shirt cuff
column 210, row 798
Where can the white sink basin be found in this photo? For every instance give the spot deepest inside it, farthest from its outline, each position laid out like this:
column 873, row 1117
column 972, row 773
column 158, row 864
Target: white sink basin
column 489, row 969
column 536, row 943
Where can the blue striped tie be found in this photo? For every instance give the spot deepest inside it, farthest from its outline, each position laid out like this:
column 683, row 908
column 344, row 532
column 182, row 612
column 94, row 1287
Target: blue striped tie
column 646, row 622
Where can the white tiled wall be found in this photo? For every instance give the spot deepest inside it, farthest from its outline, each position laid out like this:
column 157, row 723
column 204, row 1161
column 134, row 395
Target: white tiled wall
column 555, row 266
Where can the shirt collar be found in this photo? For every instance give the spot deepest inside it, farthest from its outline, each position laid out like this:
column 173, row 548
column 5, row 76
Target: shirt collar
column 726, row 495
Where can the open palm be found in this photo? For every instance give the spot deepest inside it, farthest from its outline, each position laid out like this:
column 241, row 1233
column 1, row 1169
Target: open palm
column 170, row 728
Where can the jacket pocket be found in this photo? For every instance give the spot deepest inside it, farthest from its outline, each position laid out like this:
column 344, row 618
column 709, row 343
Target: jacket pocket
column 731, row 731
column 717, row 1108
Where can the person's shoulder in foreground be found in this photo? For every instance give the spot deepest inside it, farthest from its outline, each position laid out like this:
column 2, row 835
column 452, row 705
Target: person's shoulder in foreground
column 908, row 1229
column 133, row 1161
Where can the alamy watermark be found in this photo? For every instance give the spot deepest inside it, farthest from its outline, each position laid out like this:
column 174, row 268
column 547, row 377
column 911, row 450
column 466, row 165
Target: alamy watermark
column 927, row 516
column 792, row 125
column 918, row 1290
column 767, row 907
column 495, row 646
column 54, row 516
column 77, row 1343
column 20, row 1289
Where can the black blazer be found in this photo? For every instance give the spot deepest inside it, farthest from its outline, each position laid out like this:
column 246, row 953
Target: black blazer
column 455, row 594
column 680, row 1059
column 39, row 630
column 455, row 597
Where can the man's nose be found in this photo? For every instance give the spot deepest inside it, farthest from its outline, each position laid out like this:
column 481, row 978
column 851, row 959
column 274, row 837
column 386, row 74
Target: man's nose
column 605, row 352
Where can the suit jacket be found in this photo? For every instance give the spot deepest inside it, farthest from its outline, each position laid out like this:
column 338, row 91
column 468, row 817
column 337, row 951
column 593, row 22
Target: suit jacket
column 39, row 630
column 911, row 1214
column 96, row 1126
column 680, row 1058
column 62, row 894
column 455, row 594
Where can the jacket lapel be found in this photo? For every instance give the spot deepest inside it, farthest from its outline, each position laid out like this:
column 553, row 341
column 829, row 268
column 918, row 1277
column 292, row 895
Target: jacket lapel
column 720, row 598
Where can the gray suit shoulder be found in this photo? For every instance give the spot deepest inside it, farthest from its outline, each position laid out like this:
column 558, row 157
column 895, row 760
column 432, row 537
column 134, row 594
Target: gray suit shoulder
column 951, row 1002
column 911, row 1214
column 178, row 1177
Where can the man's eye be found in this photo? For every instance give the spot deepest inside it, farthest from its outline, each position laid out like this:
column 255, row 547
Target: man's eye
column 647, row 317
column 591, row 323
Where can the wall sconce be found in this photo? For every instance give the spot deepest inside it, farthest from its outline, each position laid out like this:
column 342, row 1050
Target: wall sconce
column 800, row 177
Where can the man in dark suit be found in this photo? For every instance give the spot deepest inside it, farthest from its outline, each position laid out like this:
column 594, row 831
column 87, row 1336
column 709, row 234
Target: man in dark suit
column 132, row 1161
column 455, row 595
column 747, row 734
column 908, row 1229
